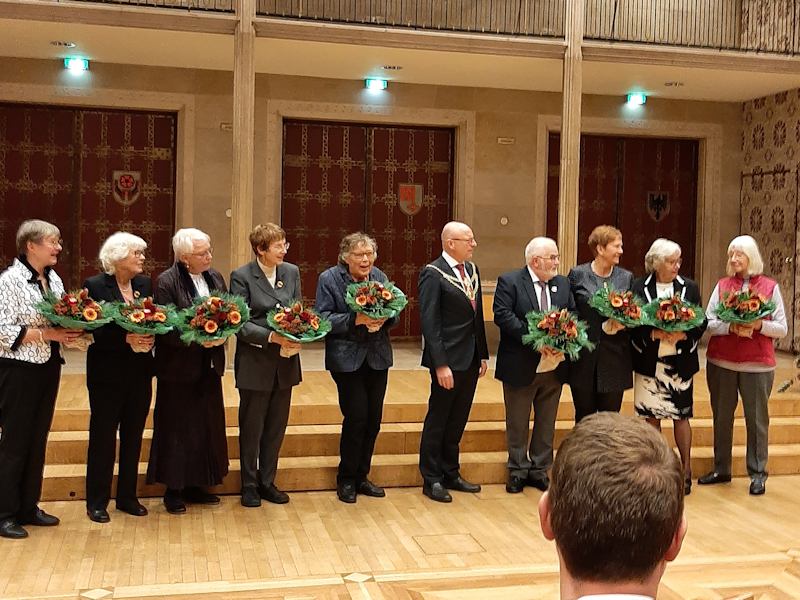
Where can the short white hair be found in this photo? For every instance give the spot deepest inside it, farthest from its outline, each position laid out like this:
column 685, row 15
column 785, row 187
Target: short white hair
column 660, row 250
column 747, row 246
column 117, row 247
column 184, row 239
column 536, row 245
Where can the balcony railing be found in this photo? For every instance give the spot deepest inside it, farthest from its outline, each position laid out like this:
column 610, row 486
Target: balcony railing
column 225, row 6
column 749, row 25
column 541, row 18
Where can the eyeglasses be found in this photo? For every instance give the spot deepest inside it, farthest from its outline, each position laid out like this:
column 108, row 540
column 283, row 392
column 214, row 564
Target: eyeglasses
column 470, row 241
column 359, row 255
column 552, row 257
column 279, row 247
column 676, row 262
column 138, row 253
column 52, row 243
column 203, row 254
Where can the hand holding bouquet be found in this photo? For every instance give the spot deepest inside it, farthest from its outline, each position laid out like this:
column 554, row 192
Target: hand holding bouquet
column 213, row 319
column 73, row 310
column 671, row 318
column 142, row 319
column 555, row 334
column 743, row 310
column 376, row 301
column 299, row 324
column 622, row 307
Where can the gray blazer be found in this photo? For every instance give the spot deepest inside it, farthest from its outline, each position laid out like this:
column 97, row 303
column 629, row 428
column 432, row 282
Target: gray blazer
column 609, row 365
column 258, row 364
column 347, row 346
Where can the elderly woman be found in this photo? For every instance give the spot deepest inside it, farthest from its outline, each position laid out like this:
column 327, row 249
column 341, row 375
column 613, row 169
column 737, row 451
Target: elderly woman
column 741, row 361
column 189, row 450
column 358, row 354
column 664, row 363
column 599, row 378
column 119, row 376
column 30, row 370
column 264, row 376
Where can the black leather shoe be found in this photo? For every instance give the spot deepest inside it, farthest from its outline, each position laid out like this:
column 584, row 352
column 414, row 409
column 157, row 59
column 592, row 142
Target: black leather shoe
column 367, row 488
column 436, row 491
column 462, row 485
column 39, row 518
column 539, row 482
column 98, row 515
column 250, row 497
column 9, row 528
column 515, row 484
column 132, row 507
column 713, row 477
column 196, row 495
column 757, row 487
column 173, row 502
column 273, row 494
column 346, row 492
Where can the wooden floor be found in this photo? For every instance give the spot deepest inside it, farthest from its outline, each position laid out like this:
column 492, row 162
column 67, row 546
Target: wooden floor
column 404, row 546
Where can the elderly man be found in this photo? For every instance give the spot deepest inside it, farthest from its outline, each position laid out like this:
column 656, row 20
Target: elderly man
column 614, row 508
column 537, row 286
column 456, row 354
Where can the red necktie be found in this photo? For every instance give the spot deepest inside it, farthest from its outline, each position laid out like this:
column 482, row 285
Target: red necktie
column 543, row 304
column 467, row 285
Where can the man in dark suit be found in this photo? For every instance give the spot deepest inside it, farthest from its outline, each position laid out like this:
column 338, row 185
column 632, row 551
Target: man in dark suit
column 455, row 351
column 537, row 286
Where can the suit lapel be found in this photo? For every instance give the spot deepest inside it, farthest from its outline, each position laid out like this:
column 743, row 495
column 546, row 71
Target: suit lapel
column 527, row 283
column 113, row 288
column 679, row 285
column 261, row 280
column 650, row 290
column 138, row 285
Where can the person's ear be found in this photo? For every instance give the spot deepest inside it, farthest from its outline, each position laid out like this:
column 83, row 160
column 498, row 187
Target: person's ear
column 544, row 517
column 677, row 540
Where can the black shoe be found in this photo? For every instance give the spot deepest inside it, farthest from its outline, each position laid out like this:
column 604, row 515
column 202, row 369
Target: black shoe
column 9, row 528
column 713, row 477
column 197, row 495
column 250, row 497
column 346, row 492
column 515, row 484
column 367, row 488
column 98, row 515
column 132, row 507
column 539, row 482
column 757, row 487
column 40, row 518
column 173, row 502
column 462, row 485
column 273, row 494
column 436, row 491
column 687, row 486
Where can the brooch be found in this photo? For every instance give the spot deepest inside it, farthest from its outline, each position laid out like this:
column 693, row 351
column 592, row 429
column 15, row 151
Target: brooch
column 279, row 284
column 553, row 289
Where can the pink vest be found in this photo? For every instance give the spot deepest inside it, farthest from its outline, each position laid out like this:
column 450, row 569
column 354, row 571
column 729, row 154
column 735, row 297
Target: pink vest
column 732, row 348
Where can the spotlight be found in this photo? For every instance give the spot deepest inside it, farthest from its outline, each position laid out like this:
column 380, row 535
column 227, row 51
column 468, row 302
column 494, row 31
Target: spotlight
column 376, row 84
column 636, row 99
column 76, row 64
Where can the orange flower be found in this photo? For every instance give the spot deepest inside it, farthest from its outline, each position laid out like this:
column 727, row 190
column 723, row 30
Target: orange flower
column 279, row 317
column 616, row 300
column 386, row 295
column 136, row 316
column 543, row 324
column 159, row 316
column 361, row 300
column 297, row 308
column 634, row 312
column 730, row 300
column 314, row 323
column 744, row 306
column 89, row 314
column 753, row 304
column 669, row 315
column 571, row 330
column 210, row 327
column 690, row 313
column 234, row 317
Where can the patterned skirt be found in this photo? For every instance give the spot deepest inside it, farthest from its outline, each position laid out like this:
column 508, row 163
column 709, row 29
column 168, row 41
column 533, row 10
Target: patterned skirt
column 665, row 395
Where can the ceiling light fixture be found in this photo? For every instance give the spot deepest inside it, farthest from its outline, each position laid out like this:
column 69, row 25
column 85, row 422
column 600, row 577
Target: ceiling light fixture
column 375, row 84
column 76, row 64
column 636, row 99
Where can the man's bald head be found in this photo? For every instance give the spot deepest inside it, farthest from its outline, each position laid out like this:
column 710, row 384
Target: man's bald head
column 458, row 240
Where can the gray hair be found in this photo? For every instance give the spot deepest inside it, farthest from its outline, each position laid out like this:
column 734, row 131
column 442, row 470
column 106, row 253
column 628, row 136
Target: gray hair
column 34, row 230
column 660, row 250
column 351, row 241
column 747, row 246
column 117, row 247
column 184, row 239
column 536, row 245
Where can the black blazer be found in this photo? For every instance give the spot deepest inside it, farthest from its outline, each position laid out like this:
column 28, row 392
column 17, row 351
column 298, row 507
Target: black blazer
column 110, row 359
column 175, row 361
column 645, row 349
column 453, row 333
column 258, row 364
column 609, row 365
column 514, row 297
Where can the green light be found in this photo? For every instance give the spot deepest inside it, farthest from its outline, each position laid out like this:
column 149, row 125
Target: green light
column 376, row 84
column 636, row 99
column 76, row 64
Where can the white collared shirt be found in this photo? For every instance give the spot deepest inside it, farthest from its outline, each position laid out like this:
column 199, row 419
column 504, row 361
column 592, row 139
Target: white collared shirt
column 538, row 289
column 271, row 273
column 200, row 284
column 453, row 262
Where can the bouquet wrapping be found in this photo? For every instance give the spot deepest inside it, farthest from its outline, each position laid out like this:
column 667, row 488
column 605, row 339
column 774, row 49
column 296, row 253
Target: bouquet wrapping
column 73, row 310
column 375, row 299
column 623, row 307
column 299, row 324
column 674, row 315
column 212, row 318
column 559, row 330
column 743, row 308
column 143, row 316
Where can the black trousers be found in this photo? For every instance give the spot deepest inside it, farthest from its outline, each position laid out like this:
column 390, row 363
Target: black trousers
column 361, row 396
column 448, row 413
column 589, row 401
column 115, row 406
column 27, row 401
column 263, row 417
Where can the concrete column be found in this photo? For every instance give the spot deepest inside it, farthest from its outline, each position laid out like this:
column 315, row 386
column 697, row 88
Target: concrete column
column 244, row 100
column 571, row 135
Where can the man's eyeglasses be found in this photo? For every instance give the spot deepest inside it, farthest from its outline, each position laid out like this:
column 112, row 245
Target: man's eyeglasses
column 552, row 257
column 470, row 241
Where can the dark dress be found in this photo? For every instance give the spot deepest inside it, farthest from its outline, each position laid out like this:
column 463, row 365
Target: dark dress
column 189, row 443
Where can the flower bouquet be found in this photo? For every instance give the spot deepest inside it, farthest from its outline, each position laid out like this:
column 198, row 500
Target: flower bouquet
column 375, row 299
column 673, row 315
column 212, row 318
column 558, row 330
column 743, row 308
column 73, row 310
column 299, row 324
column 143, row 316
column 623, row 307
